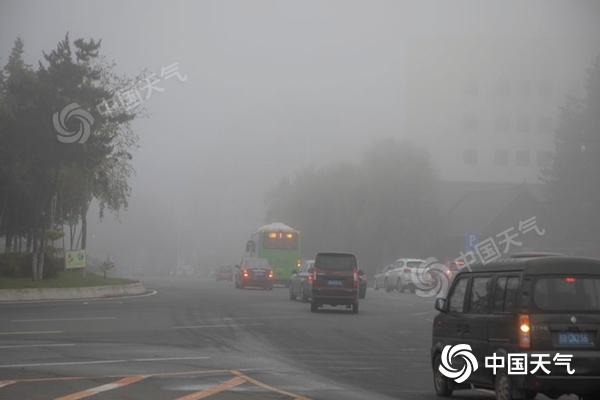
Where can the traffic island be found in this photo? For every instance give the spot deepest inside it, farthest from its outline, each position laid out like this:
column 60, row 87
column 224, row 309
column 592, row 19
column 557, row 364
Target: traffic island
column 68, row 287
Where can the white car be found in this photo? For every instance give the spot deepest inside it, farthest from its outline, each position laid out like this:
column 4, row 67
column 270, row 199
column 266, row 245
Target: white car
column 399, row 277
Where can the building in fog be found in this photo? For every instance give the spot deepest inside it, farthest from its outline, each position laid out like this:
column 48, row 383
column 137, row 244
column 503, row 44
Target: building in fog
column 486, row 107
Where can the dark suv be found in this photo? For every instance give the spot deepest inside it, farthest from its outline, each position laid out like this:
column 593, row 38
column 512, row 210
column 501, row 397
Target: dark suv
column 541, row 309
column 335, row 281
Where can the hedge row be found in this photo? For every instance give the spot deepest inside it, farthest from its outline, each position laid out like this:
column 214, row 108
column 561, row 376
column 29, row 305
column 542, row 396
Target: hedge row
column 18, row 265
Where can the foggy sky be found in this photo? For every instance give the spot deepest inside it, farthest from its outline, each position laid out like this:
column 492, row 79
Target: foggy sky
column 271, row 86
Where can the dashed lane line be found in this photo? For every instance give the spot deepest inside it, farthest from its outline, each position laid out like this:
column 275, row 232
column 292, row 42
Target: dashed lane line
column 219, row 387
column 31, row 333
column 62, row 319
column 6, row 383
column 213, row 326
column 102, row 362
column 104, row 388
column 17, row 346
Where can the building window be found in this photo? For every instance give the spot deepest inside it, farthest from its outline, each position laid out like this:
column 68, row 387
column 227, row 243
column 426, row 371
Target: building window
column 524, row 88
column 470, row 157
column 502, row 123
column 471, row 88
column 502, row 88
column 523, row 124
column 545, row 89
column 544, row 125
column 470, row 122
column 501, row 157
column 544, row 158
column 522, row 159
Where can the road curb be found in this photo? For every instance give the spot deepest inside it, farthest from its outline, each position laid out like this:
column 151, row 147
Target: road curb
column 72, row 293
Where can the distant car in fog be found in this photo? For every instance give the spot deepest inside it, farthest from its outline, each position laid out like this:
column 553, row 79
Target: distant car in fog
column 254, row 272
column 183, row 272
column 335, row 281
column 362, row 284
column 301, row 282
column 399, row 277
column 379, row 278
column 224, row 273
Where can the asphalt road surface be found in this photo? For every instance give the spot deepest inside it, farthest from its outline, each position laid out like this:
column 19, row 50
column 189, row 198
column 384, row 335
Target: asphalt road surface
column 195, row 338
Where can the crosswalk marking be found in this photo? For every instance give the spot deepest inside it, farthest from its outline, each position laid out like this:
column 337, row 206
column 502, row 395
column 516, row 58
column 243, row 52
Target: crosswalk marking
column 219, row 387
column 103, row 388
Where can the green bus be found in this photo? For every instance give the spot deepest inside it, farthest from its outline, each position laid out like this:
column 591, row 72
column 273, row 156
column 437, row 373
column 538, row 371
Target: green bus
column 279, row 244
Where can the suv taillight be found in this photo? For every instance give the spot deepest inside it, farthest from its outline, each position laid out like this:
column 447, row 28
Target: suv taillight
column 355, row 277
column 245, row 273
column 270, row 273
column 524, row 329
column 315, row 274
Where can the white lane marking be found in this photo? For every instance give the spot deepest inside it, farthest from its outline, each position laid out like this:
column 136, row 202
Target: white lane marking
column 423, row 313
column 101, row 362
column 6, row 383
column 38, row 345
column 275, row 317
column 29, row 333
column 213, row 326
column 62, row 319
column 63, row 363
column 169, row 359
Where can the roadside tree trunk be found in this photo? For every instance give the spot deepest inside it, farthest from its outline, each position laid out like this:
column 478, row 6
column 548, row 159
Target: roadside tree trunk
column 29, row 242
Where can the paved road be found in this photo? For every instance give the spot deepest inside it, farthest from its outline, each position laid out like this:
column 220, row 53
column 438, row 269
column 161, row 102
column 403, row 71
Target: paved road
column 196, row 338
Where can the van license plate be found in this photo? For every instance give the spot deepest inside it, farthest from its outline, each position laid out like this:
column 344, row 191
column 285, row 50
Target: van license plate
column 580, row 338
column 334, row 283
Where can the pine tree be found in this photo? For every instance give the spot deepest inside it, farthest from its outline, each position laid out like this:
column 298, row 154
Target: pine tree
column 572, row 182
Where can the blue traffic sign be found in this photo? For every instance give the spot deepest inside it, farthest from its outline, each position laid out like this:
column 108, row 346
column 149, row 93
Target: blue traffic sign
column 472, row 240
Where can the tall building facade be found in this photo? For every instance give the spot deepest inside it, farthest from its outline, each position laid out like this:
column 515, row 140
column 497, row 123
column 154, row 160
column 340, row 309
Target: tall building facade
column 486, row 108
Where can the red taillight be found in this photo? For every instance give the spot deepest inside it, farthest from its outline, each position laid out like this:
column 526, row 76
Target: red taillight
column 315, row 274
column 355, row 277
column 270, row 273
column 524, row 329
column 570, row 280
column 310, row 278
column 299, row 263
column 245, row 273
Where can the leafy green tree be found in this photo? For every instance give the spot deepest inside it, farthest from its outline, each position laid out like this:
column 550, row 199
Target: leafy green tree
column 37, row 171
column 383, row 207
column 572, row 181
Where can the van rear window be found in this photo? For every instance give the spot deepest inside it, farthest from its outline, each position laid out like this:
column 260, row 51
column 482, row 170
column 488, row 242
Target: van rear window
column 568, row 293
column 335, row 262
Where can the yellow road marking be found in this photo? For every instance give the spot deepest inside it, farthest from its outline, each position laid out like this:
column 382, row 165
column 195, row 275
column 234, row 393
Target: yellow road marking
column 268, row 387
column 68, row 378
column 219, row 387
column 103, row 388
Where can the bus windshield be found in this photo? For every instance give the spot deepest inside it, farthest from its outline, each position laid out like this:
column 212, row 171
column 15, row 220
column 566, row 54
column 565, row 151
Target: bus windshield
column 280, row 240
